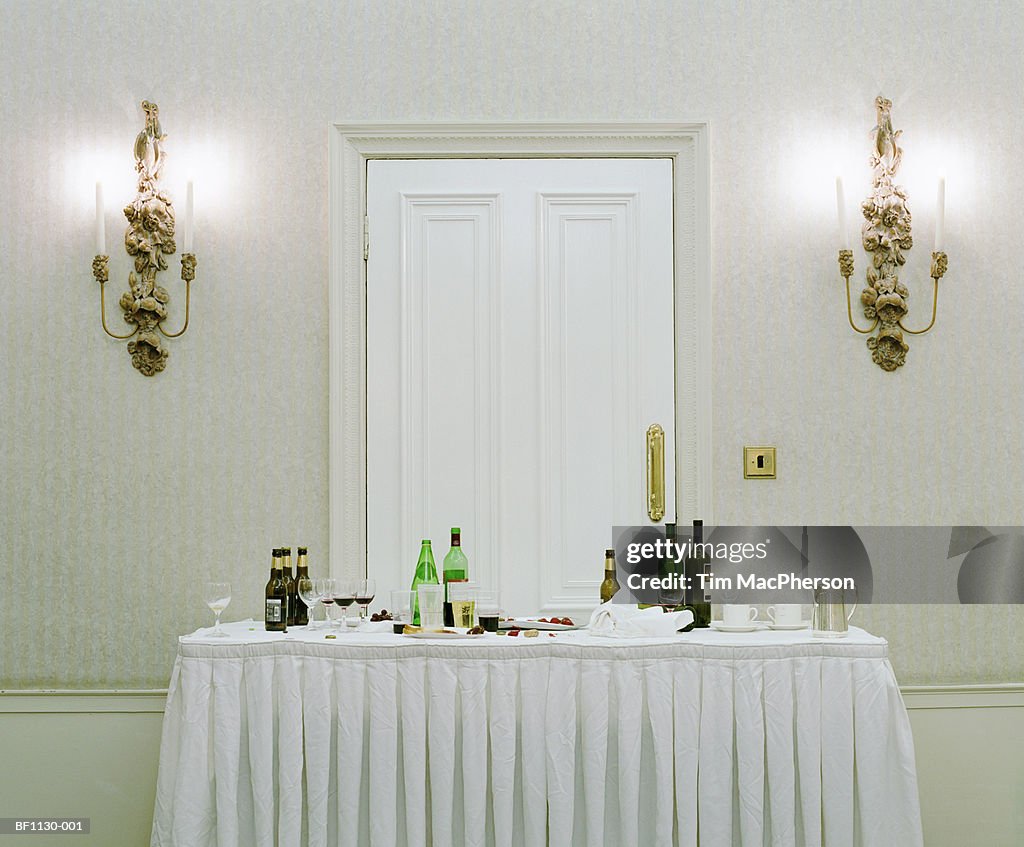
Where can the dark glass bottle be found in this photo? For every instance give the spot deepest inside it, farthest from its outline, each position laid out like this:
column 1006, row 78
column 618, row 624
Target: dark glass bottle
column 696, row 564
column 671, row 597
column 275, row 617
column 301, row 572
column 289, row 582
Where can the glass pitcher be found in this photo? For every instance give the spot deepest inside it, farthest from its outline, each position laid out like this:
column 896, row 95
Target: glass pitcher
column 830, row 617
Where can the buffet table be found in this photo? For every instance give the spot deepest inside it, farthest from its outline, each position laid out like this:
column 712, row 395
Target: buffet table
column 763, row 738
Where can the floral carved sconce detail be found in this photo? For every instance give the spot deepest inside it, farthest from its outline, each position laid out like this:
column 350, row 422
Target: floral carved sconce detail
column 886, row 235
column 149, row 238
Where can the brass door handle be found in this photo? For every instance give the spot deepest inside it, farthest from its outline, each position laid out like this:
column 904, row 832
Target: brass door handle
column 655, row 472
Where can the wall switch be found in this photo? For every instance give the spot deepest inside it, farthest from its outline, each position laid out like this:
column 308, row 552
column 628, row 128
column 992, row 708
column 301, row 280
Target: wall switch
column 759, row 463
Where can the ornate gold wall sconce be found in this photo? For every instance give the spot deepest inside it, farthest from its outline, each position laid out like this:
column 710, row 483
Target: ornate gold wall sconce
column 148, row 239
column 887, row 237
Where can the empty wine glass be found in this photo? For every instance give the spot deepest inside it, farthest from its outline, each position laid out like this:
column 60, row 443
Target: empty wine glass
column 325, row 588
column 217, row 596
column 307, row 594
column 365, row 591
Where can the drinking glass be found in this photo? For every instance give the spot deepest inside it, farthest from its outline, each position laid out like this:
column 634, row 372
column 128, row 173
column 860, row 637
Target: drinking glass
column 344, row 596
column 309, row 597
column 402, row 603
column 325, row 588
column 431, row 597
column 488, row 610
column 366, row 589
column 462, row 596
column 217, row 596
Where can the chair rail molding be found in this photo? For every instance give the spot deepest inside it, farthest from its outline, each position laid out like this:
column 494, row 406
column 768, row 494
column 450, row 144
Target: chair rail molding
column 352, row 145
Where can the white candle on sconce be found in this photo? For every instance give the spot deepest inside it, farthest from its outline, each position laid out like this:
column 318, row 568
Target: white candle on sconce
column 101, row 232
column 844, row 231
column 189, row 218
column 940, row 214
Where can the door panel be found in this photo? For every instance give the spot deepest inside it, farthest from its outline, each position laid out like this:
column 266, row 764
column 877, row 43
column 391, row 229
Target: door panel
column 519, row 343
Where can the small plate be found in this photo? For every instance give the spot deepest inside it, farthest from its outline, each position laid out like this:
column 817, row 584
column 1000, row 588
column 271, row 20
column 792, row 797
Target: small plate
column 748, row 627
column 786, row 627
column 444, row 635
column 530, row 623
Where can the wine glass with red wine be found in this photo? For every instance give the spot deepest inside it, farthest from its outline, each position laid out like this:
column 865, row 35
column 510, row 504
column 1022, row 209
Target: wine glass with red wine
column 365, row 591
column 344, row 596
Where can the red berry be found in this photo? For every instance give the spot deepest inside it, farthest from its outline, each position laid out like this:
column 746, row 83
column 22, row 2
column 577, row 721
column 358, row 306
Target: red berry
column 513, row 632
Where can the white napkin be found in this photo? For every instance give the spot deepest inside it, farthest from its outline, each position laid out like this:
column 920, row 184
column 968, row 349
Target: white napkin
column 616, row 620
column 375, row 626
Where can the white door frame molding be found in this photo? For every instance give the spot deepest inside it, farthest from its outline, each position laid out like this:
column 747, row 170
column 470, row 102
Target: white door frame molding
column 352, row 145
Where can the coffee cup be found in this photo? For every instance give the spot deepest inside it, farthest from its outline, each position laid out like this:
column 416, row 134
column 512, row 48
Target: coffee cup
column 738, row 615
column 786, row 614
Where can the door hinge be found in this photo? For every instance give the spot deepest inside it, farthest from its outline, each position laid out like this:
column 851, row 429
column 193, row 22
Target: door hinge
column 366, row 238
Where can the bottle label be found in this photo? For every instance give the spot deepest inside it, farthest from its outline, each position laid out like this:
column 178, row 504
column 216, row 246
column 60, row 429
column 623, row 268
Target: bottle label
column 273, row 611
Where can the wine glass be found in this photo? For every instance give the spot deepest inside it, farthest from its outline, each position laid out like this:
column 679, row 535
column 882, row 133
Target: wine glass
column 365, row 591
column 325, row 588
column 217, row 596
column 344, row 596
column 309, row 597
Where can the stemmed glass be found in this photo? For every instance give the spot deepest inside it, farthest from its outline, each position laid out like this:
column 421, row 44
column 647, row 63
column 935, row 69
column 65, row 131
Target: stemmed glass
column 365, row 591
column 344, row 596
column 325, row 589
column 309, row 596
column 217, row 596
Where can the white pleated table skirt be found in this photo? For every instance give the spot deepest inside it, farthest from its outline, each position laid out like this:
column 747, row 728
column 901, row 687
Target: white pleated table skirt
column 766, row 738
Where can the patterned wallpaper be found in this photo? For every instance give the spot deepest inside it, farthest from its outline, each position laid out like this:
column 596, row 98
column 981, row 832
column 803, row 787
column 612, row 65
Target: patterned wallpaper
column 122, row 494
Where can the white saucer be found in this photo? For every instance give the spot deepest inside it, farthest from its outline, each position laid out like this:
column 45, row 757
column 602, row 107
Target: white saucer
column 783, row 627
column 743, row 627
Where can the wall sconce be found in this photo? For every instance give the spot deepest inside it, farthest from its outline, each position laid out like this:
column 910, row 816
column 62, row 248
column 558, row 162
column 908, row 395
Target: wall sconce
column 148, row 239
column 886, row 236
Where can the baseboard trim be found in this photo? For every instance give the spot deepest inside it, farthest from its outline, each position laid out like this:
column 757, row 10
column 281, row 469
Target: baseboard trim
column 1008, row 695
column 70, row 701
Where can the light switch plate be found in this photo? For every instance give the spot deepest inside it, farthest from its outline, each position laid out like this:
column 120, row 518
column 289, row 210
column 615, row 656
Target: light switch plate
column 759, row 463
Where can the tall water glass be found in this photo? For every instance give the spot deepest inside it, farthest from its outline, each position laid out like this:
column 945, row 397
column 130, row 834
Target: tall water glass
column 431, row 597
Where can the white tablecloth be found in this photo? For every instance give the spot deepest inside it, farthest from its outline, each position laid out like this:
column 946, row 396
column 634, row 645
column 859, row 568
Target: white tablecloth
column 766, row 738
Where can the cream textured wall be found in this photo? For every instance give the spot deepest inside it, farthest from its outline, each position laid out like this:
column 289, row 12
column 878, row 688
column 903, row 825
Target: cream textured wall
column 121, row 494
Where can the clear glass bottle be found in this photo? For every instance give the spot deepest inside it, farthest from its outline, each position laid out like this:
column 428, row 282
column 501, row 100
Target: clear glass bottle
column 426, row 572
column 611, row 583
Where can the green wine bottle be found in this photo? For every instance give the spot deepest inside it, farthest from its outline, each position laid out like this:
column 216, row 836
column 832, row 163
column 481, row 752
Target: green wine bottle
column 426, row 573
column 455, row 569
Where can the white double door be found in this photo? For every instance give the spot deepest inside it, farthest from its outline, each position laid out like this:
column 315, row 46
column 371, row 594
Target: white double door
column 519, row 345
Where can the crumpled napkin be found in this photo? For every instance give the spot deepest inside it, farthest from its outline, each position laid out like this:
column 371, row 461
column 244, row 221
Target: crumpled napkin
column 616, row 620
column 375, row 626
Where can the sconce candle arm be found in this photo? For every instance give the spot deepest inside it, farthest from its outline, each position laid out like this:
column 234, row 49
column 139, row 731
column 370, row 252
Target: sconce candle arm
column 935, row 303
column 939, row 264
column 846, row 269
column 188, row 273
column 101, row 273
